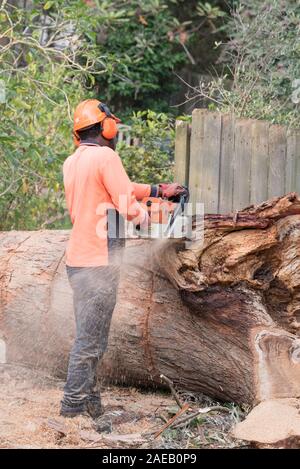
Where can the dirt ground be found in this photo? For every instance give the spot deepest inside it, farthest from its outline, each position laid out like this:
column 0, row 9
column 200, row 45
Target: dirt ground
column 29, row 417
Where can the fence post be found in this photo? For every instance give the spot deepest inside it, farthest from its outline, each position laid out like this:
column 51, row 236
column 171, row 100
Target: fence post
column 182, row 152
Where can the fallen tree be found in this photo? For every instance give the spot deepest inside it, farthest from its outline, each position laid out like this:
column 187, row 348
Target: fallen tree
column 220, row 317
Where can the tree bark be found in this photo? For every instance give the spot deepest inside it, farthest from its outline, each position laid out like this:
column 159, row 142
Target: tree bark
column 220, row 316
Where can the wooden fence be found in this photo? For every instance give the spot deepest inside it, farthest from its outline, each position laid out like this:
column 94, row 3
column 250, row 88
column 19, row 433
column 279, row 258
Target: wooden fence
column 230, row 163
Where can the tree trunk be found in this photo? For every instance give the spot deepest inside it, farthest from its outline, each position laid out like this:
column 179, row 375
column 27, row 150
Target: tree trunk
column 220, row 316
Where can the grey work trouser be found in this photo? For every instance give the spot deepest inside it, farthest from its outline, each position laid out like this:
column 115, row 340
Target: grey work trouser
column 94, row 290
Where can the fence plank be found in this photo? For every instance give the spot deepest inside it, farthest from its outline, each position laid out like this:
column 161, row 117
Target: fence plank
column 205, row 154
column 297, row 172
column 292, row 175
column 196, row 154
column 226, row 164
column 182, row 152
column 259, row 162
column 242, row 164
column 211, row 173
column 277, row 155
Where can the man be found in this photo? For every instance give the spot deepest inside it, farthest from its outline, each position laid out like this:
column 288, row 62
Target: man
column 95, row 183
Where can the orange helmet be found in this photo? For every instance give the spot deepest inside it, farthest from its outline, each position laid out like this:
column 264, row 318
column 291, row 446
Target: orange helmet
column 92, row 111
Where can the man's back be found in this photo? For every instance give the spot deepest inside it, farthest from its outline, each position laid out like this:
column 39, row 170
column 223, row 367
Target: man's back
column 95, row 180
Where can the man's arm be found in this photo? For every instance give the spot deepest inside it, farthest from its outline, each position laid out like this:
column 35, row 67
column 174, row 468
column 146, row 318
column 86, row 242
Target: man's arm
column 164, row 190
column 144, row 190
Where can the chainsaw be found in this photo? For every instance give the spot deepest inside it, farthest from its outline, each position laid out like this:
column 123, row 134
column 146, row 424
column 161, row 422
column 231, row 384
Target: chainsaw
column 163, row 214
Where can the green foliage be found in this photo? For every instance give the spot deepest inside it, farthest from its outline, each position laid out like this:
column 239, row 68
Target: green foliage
column 52, row 56
column 209, row 10
column 35, row 141
column 263, row 60
column 56, row 53
column 42, row 83
column 137, row 36
column 151, row 161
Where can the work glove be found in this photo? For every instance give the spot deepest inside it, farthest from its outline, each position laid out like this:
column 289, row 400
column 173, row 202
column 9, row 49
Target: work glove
column 172, row 191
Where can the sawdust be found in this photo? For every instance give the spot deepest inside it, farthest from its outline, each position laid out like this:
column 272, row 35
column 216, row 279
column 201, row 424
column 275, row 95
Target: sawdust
column 29, row 417
column 28, row 400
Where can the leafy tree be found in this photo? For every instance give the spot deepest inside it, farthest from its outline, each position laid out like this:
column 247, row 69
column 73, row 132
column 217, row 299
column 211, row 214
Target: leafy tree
column 53, row 54
column 262, row 60
column 50, row 61
column 43, row 81
column 141, row 55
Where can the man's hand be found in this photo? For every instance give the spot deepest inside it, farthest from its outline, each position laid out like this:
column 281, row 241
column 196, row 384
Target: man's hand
column 171, row 191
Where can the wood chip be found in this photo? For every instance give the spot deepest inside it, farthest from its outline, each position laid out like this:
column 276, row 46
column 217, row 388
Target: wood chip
column 90, row 436
column 57, row 426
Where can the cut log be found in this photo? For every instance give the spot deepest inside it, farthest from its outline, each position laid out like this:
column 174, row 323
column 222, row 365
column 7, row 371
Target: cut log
column 220, row 316
column 273, row 423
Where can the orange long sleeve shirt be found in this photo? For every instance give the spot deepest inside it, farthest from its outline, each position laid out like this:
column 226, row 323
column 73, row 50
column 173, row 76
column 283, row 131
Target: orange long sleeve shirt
column 95, row 181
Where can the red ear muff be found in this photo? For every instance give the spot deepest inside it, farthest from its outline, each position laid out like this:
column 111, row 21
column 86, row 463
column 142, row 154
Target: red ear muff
column 109, row 128
column 109, row 124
